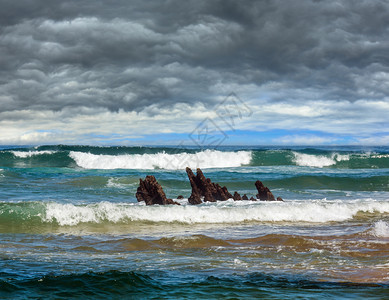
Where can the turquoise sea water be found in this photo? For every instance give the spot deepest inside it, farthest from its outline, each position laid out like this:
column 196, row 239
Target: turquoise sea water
column 71, row 227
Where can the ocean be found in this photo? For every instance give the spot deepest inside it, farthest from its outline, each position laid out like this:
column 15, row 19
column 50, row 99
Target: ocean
column 71, row 227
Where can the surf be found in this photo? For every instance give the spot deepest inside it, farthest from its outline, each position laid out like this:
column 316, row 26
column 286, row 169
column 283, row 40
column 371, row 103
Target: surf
column 163, row 160
column 225, row 212
column 177, row 158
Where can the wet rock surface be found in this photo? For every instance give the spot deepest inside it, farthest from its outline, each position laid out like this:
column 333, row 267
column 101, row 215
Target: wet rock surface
column 237, row 196
column 203, row 189
column 264, row 193
column 195, row 197
column 151, row 192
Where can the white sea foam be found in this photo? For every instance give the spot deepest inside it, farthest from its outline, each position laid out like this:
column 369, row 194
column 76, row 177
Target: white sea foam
column 120, row 184
column 380, row 229
column 111, row 183
column 23, row 154
column 380, row 156
column 319, row 161
column 220, row 212
column 203, row 159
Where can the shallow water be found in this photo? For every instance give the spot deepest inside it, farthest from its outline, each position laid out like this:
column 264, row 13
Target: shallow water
column 70, row 225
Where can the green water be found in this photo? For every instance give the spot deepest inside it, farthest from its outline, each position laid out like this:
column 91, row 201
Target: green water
column 71, row 227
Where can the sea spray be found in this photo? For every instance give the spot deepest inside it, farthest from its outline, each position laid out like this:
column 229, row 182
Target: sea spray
column 380, row 229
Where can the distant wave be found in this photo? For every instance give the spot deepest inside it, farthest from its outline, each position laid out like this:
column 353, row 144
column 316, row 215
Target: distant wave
column 319, row 161
column 24, row 154
column 203, row 159
column 89, row 157
column 220, row 212
column 316, row 158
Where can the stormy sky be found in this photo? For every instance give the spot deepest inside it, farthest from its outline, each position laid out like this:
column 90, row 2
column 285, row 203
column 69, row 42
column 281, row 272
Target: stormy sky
column 149, row 72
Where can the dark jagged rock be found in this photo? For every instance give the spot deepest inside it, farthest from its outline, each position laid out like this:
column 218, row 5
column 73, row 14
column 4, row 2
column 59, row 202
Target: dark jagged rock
column 221, row 193
column 195, row 197
column 201, row 187
column 237, row 196
column 264, row 193
column 151, row 192
column 204, row 187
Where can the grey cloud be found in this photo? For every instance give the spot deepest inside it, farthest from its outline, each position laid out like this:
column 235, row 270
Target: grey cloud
column 127, row 55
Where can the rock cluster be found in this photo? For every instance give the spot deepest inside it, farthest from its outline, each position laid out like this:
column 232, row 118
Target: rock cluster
column 203, row 189
column 151, row 192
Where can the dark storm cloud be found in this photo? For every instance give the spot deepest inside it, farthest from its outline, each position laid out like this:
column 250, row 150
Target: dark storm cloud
column 131, row 54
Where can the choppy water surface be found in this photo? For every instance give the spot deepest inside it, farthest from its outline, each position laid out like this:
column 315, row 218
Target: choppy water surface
column 70, row 225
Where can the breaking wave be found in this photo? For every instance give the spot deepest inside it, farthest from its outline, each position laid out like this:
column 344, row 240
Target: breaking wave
column 220, row 212
column 25, row 154
column 318, row 161
column 176, row 158
column 380, row 229
column 203, row 159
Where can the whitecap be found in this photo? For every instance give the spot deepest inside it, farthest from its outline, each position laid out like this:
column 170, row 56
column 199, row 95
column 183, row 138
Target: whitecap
column 380, row 229
column 163, row 160
column 318, row 161
column 23, row 154
column 221, row 212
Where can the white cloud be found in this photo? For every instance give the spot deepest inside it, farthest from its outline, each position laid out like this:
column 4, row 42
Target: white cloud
column 303, row 140
column 83, row 125
column 360, row 120
column 335, row 117
column 373, row 140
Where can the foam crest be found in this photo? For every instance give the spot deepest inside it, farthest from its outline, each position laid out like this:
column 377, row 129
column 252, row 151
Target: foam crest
column 23, row 154
column 380, row 229
column 380, row 156
column 221, row 212
column 113, row 184
column 203, row 159
column 318, row 161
